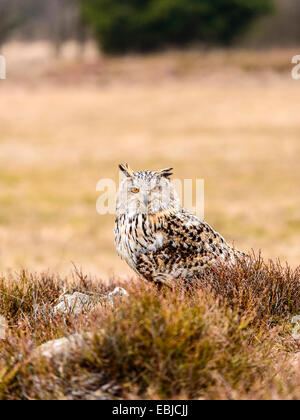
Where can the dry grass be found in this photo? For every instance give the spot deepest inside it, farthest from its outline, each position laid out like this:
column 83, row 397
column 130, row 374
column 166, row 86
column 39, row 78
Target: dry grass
column 206, row 342
column 65, row 124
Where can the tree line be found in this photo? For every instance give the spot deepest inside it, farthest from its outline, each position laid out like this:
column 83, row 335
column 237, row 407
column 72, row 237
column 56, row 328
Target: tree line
column 141, row 25
column 54, row 20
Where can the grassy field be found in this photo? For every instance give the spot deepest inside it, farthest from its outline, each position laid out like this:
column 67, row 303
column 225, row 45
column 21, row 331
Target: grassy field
column 230, row 118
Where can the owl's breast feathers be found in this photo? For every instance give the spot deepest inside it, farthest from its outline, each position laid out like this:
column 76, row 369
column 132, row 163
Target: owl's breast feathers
column 169, row 245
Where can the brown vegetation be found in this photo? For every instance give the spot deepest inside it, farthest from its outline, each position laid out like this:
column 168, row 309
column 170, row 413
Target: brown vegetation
column 228, row 337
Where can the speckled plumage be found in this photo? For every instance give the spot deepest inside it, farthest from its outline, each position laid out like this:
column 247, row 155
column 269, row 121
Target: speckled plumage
column 161, row 241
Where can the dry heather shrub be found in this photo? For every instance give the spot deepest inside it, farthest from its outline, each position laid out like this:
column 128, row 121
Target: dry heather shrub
column 180, row 344
column 167, row 346
column 270, row 288
column 225, row 338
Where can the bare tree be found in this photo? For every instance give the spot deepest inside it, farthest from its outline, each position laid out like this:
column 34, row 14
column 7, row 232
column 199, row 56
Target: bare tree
column 56, row 21
column 281, row 29
column 14, row 14
column 65, row 21
column 9, row 19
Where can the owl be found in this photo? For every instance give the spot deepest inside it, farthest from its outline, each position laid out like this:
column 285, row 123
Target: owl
column 159, row 239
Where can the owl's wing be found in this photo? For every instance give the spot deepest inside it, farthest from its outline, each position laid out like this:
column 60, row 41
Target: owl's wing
column 188, row 246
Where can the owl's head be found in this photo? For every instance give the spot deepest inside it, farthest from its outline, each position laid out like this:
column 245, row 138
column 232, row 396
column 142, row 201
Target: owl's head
column 146, row 192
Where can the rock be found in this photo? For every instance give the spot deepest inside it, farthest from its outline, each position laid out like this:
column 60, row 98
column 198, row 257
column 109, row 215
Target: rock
column 75, row 303
column 60, row 347
column 118, row 293
column 79, row 302
column 64, row 347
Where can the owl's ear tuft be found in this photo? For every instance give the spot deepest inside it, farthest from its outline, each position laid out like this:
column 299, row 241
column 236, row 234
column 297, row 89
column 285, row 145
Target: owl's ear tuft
column 127, row 171
column 166, row 173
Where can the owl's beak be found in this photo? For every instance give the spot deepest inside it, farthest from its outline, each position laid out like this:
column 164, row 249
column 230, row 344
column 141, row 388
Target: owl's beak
column 146, row 200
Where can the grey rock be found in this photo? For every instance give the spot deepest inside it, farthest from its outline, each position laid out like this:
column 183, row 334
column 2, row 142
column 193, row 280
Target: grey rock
column 61, row 347
column 118, row 293
column 75, row 303
column 79, row 302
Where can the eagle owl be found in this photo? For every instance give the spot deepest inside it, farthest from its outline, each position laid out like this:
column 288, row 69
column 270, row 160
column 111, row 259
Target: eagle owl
column 161, row 241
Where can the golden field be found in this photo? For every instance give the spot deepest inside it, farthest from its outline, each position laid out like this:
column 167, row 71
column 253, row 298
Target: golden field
column 231, row 118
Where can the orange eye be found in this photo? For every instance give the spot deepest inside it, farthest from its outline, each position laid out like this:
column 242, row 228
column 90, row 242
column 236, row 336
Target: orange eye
column 156, row 189
column 134, row 190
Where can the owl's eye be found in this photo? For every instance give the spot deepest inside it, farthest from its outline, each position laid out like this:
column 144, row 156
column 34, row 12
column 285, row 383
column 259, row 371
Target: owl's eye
column 156, row 189
column 134, row 190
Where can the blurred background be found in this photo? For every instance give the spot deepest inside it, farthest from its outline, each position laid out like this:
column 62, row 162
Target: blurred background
column 202, row 86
